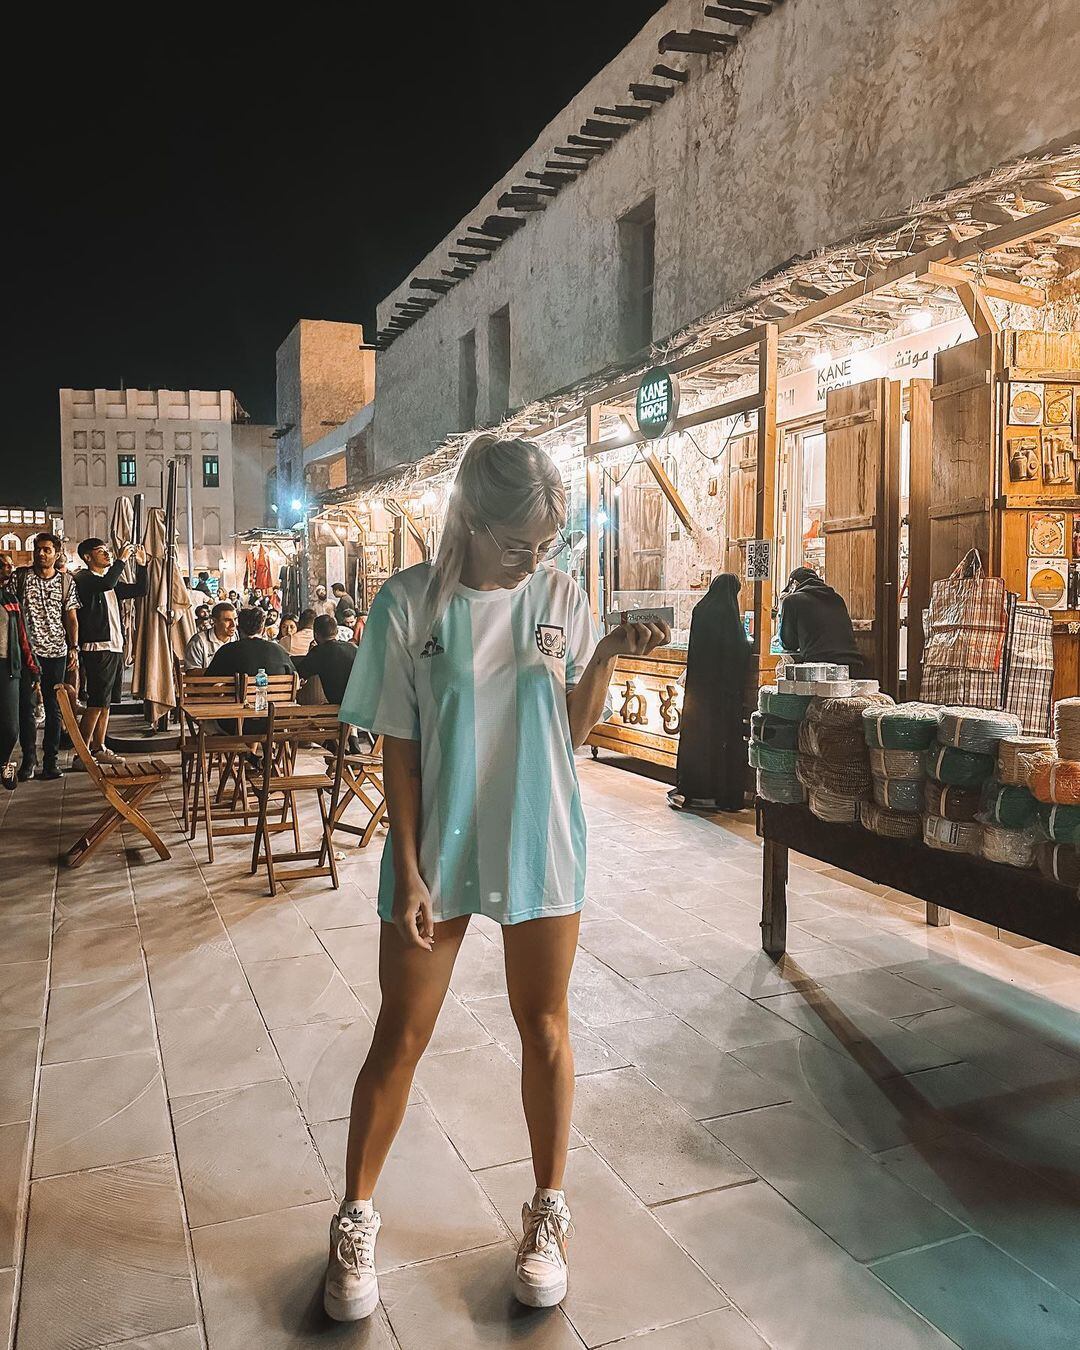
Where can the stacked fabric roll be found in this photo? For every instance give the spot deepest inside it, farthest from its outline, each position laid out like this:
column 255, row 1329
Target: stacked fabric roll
column 833, row 762
column 964, row 756
column 774, row 733
column 896, row 738
column 1058, row 862
column 881, row 820
column 1011, row 749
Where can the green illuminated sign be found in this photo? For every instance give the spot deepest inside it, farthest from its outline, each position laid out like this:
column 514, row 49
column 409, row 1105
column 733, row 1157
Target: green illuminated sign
column 657, row 403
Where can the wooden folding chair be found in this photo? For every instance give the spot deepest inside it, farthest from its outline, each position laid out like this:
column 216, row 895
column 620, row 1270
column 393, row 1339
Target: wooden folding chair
column 195, row 686
column 290, row 730
column 124, row 786
column 358, row 776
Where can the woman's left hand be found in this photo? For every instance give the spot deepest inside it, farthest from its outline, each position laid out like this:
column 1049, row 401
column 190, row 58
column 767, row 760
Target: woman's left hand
column 633, row 639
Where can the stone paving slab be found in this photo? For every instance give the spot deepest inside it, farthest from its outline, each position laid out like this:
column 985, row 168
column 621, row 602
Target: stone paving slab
column 744, row 1133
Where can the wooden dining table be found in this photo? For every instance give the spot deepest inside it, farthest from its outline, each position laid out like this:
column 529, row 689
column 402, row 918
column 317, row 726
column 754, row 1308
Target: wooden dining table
column 206, row 718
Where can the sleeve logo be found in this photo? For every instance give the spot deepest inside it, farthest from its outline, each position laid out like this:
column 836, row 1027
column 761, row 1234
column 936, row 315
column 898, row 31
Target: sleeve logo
column 551, row 639
column 432, row 647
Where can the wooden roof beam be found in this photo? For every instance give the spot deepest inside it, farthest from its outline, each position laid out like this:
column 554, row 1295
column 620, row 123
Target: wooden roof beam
column 552, row 178
column 651, row 93
column 622, row 110
column 697, row 40
column 479, row 240
column 579, row 151
column 469, row 257
column 590, row 143
column 670, row 73
column 998, row 289
column 732, row 16
column 531, row 190
column 604, row 130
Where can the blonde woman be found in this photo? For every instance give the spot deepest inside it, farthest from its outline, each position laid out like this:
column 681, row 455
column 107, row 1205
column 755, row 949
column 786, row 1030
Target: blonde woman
column 483, row 674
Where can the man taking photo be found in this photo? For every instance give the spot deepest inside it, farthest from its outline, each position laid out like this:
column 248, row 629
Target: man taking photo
column 101, row 633
column 49, row 601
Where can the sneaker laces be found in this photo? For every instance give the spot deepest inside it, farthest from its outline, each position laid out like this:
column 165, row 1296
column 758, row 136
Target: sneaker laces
column 356, row 1243
column 546, row 1231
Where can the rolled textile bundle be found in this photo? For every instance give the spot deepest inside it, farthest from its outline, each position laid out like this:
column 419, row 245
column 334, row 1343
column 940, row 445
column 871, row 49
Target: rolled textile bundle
column 1060, row 823
column 1011, row 749
column 802, row 688
column 788, row 707
column 1014, row 848
column 818, row 670
column 848, row 712
column 1058, row 862
column 961, row 768
column 951, row 836
column 1051, row 779
column 906, row 726
column 897, row 764
column 831, row 689
column 839, row 810
column 890, row 824
column 841, row 780
column 774, row 731
column 952, row 803
column 904, row 795
column 770, row 760
column 840, row 744
column 780, row 787
column 975, row 729
column 1012, row 808
column 1067, row 728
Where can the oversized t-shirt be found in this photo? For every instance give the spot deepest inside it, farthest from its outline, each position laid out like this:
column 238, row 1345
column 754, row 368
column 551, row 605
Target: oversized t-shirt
column 483, row 689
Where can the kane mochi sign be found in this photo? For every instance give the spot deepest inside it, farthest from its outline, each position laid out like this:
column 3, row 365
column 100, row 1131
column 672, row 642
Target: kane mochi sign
column 657, row 403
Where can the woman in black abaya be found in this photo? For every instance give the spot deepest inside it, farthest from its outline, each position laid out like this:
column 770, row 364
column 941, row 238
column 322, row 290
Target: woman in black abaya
column 711, row 768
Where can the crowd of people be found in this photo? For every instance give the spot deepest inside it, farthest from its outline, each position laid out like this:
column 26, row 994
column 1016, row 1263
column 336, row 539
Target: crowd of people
column 64, row 627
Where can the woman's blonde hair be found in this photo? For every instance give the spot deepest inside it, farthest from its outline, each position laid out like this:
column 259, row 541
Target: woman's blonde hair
column 512, row 484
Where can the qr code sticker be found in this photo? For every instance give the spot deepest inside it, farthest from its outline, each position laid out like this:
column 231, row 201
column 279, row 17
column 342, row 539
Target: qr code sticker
column 758, row 559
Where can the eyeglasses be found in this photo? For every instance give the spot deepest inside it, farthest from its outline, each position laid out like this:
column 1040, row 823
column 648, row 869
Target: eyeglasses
column 525, row 557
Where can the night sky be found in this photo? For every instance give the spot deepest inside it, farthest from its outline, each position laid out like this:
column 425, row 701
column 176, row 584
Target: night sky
column 184, row 193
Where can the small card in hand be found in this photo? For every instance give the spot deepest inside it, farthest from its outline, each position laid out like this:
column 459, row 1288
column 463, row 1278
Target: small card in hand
column 661, row 614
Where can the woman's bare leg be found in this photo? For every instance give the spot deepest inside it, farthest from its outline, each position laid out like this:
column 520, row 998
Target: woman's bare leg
column 539, row 955
column 414, row 984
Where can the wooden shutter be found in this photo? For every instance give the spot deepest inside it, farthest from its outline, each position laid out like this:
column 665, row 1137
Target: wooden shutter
column 963, row 480
column 741, row 507
column 862, row 517
column 640, row 531
column 920, row 495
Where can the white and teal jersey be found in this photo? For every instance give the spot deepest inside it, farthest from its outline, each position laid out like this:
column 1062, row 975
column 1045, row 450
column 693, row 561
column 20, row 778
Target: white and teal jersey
column 484, row 692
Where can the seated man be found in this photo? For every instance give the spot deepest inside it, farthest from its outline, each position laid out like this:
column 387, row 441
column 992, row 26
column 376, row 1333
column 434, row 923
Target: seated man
column 815, row 625
column 203, row 645
column 329, row 659
column 249, row 654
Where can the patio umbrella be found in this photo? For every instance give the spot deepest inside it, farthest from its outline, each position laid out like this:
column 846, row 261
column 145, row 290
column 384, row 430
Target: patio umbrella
column 158, row 642
column 120, row 533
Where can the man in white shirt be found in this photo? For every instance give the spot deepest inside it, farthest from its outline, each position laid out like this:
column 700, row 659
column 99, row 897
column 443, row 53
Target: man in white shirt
column 200, row 649
column 101, row 633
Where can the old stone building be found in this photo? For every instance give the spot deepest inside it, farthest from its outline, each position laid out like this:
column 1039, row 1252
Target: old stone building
column 116, row 442
column 702, row 171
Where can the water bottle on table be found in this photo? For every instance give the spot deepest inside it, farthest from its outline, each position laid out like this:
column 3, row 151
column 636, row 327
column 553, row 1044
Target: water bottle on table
column 262, row 680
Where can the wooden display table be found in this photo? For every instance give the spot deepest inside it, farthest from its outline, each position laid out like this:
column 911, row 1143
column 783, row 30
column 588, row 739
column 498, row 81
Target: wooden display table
column 1019, row 901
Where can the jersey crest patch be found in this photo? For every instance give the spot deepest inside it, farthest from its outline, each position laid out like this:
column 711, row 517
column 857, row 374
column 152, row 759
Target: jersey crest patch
column 551, row 640
column 433, row 647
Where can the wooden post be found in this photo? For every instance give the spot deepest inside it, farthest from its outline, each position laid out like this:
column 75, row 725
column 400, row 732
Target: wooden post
column 765, row 505
column 592, row 507
column 920, row 444
column 774, row 874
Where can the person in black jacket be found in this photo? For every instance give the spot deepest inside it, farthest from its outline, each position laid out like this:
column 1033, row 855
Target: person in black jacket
column 101, row 633
column 250, row 653
column 815, row 624
column 328, row 658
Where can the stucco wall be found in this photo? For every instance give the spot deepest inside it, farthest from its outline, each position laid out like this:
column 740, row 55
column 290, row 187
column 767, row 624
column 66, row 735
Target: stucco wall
column 827, row 115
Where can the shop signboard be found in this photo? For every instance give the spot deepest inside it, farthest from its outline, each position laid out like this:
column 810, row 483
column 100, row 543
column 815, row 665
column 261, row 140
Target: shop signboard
column 657, row 404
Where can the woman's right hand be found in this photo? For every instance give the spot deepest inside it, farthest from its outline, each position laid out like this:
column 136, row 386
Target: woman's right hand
column 412, row 913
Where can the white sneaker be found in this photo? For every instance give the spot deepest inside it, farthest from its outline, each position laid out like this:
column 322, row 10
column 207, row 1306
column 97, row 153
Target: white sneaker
column 352, row 1291
column 540, row 1271
column 107, row 756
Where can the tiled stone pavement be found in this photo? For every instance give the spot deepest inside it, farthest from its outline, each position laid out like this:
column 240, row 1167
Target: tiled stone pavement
column 875, row 1144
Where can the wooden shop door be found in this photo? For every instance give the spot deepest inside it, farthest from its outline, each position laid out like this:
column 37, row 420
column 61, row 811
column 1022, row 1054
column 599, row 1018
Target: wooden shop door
column 862, row 518
column 640, row 531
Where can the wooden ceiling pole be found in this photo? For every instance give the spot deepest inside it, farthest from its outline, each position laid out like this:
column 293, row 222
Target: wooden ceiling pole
column 670, row 491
